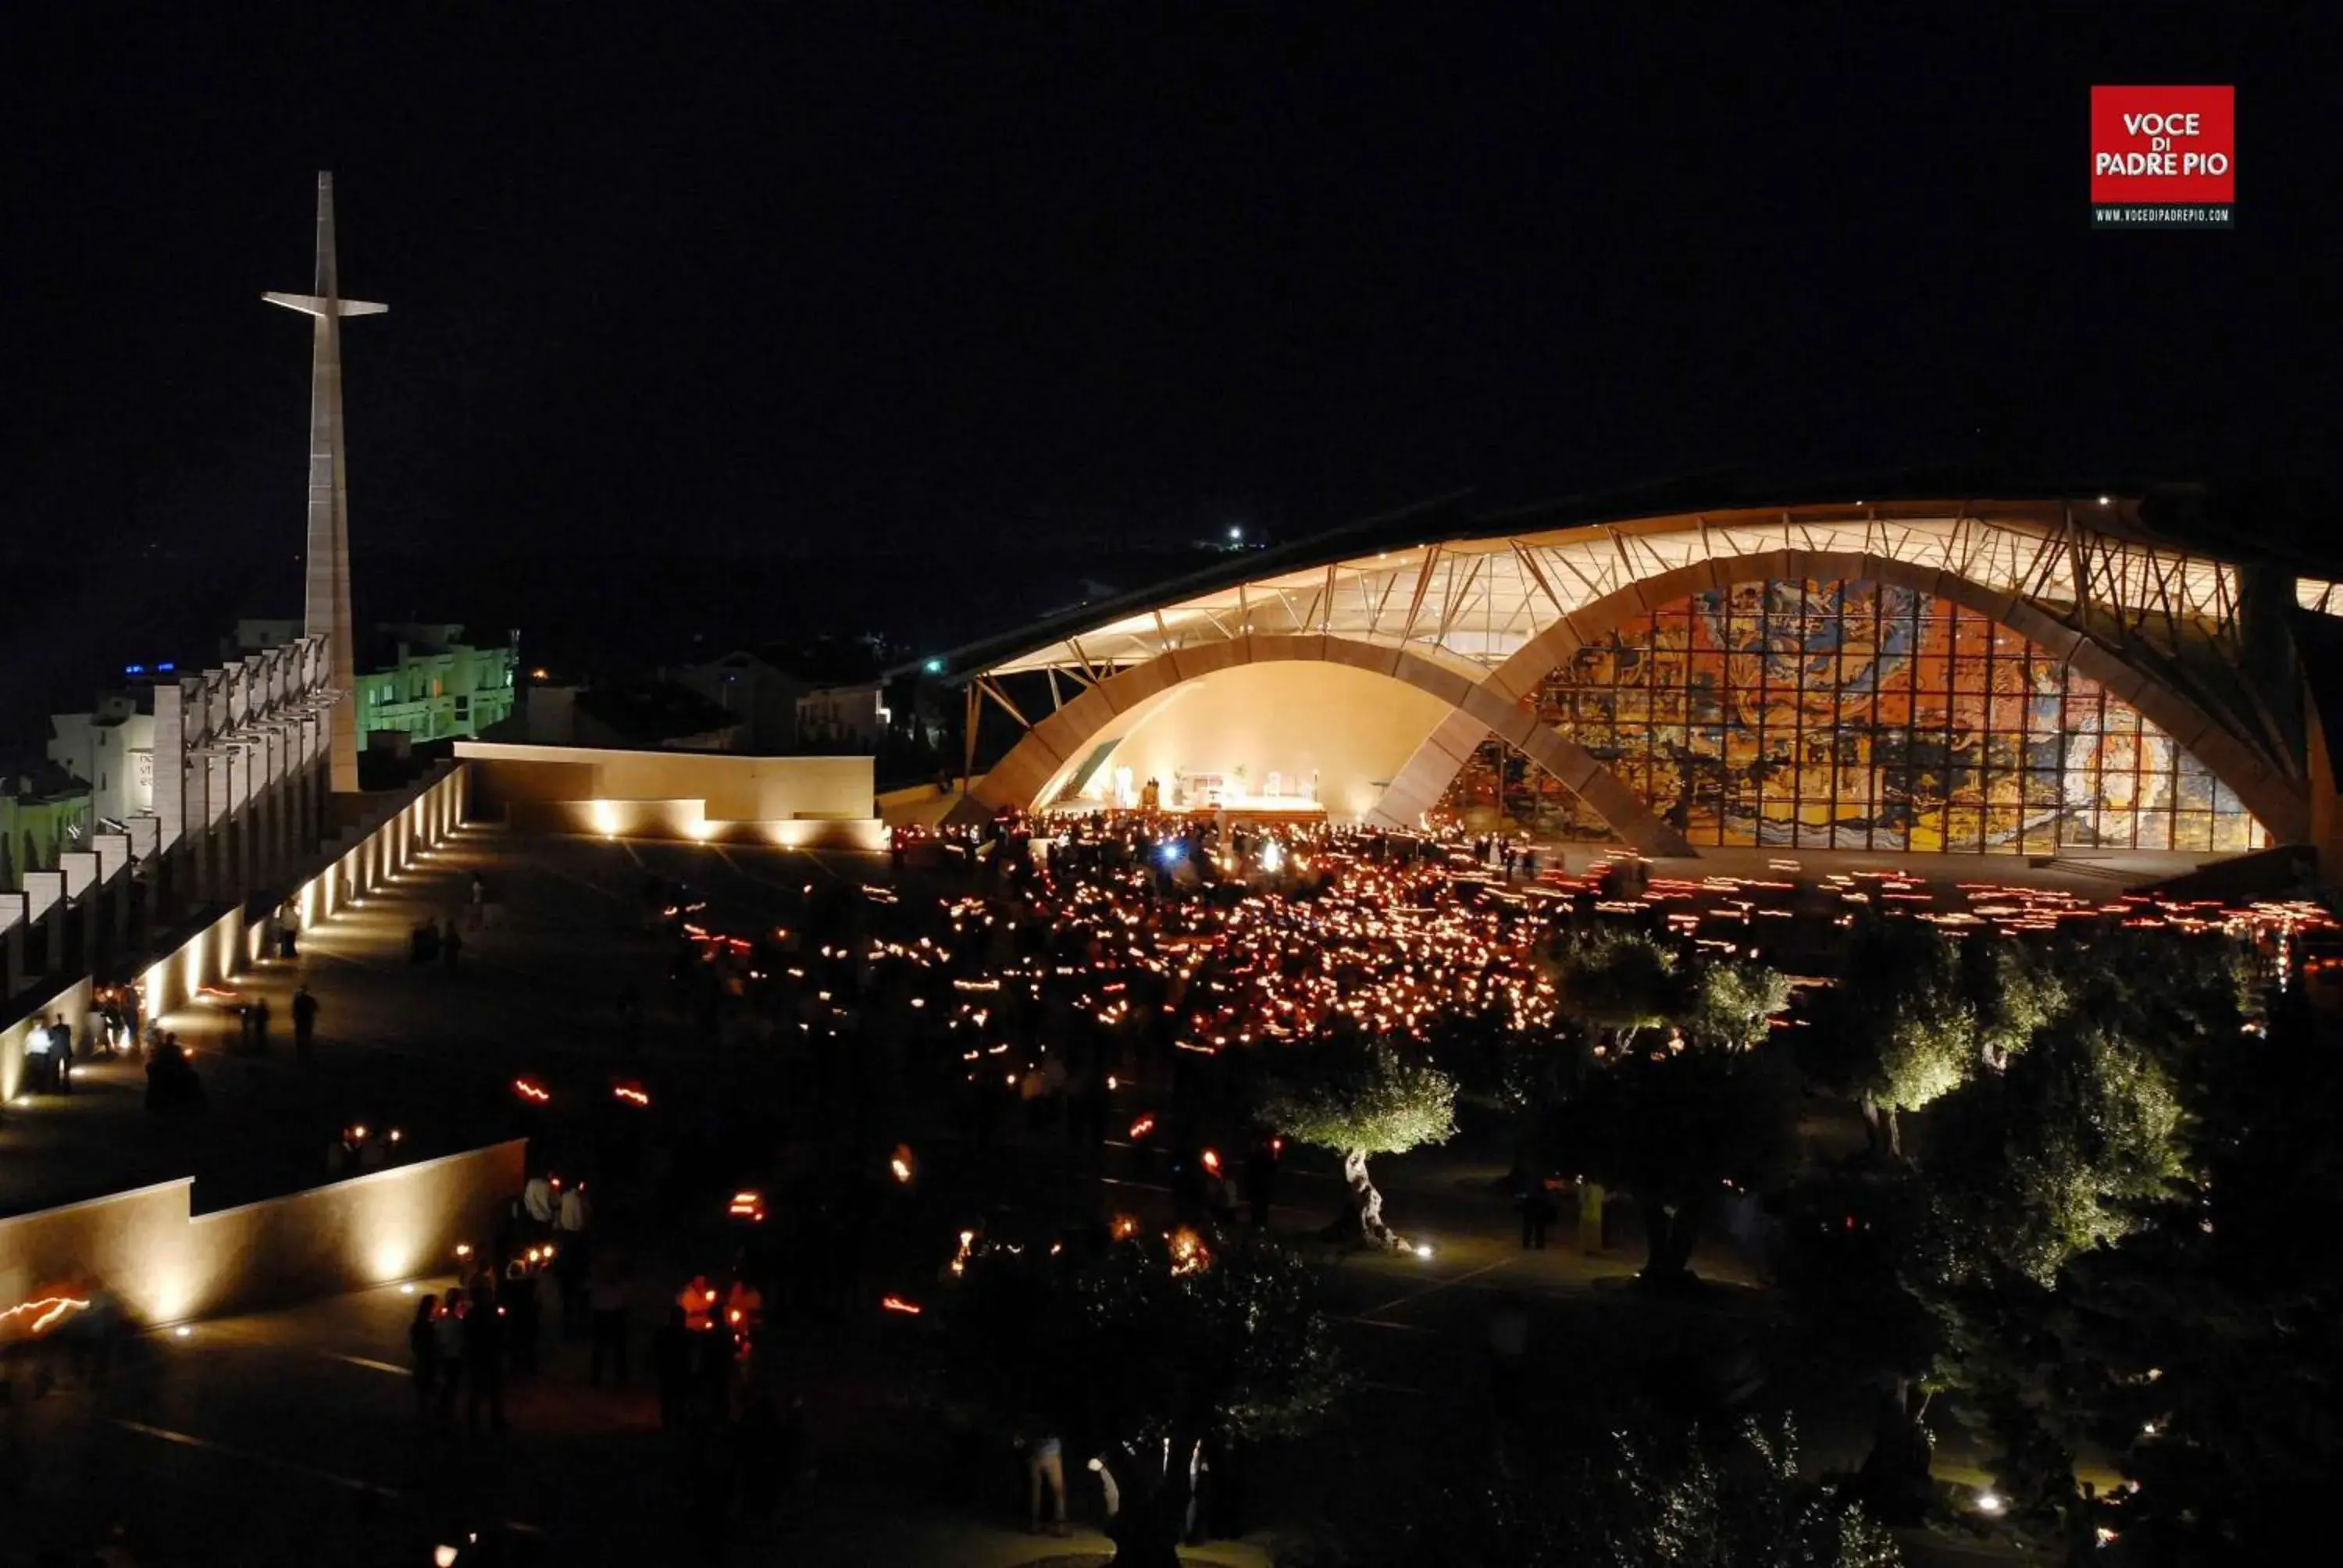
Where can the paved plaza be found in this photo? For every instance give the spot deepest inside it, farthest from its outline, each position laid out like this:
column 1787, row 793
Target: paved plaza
column 298, row 1427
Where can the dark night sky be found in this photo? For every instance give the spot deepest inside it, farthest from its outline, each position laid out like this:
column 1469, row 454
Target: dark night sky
column 930, row 275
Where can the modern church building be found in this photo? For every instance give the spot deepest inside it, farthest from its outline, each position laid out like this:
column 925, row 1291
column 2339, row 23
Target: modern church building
column 2056, row 676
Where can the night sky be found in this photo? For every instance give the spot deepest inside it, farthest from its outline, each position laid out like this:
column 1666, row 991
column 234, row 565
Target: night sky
column 797, row 279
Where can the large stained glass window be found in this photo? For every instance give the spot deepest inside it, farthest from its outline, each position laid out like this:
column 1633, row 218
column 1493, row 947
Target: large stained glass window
column 1855, row 715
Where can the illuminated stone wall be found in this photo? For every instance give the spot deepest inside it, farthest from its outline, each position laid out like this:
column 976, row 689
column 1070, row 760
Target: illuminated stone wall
column 670, row 794
column 162, row 1264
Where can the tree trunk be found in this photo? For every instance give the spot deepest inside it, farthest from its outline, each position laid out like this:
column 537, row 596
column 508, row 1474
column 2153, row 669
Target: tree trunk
column 1669, row 1233
column 1871, row 1130
column 1894, row 1478
column 1364, row 1218
column 1152, row 1483
column 1894, row 1134
column 1146, row 1534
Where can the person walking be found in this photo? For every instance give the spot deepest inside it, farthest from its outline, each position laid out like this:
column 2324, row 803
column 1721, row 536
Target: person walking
column 517, row 1303
column 537, row 1201
column 571, row 1213
column 1260, row 1177
column 606, row 1299
column 38, row 1067
column 671, row 1363
column 423, row 1345
column 304, row 1022
column 450, row 1367
column 484, row 1371
column 1535, row 1203
column 1045, row 1464
column 451, row 943
column 261, row 1025
column 572, row 1263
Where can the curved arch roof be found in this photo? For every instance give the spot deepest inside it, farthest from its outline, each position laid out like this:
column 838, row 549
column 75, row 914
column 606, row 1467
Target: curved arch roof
column 1470, row 602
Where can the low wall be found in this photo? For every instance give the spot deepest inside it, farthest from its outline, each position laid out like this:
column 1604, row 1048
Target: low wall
column 164, row 1263
column 735, row 788
column 217, row 953
column 689, row 819
column 387, row 839
column 384, row 1225
column 794, row 802
column 133, row 1242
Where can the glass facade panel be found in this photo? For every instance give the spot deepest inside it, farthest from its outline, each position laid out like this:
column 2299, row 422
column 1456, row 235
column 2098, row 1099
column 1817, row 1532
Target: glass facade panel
column 1853, row 714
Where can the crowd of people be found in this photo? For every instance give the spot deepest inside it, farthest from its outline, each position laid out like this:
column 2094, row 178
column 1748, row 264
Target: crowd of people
column 110, row 1031
column 739, row 1434
column 1046, row 978
column 1068, row 992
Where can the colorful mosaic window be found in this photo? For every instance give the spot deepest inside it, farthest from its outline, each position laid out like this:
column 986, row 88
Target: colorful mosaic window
column 1855, row 715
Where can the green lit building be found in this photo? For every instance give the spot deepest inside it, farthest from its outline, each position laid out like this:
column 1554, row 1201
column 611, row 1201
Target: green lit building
column 44, row 811
column 423, row 681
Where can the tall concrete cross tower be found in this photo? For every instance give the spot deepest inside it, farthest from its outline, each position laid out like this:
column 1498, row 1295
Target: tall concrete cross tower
column 327, row 562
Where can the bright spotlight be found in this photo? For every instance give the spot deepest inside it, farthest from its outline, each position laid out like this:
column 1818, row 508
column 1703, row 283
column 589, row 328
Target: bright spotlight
column 1423, row 1248
column 1990, row 1502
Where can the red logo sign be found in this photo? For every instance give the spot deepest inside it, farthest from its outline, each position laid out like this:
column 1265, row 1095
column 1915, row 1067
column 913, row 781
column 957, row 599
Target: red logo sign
column 2164, row 154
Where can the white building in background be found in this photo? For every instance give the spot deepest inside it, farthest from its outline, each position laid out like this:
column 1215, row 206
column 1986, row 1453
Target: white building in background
column 113, row 748
column 832, row 715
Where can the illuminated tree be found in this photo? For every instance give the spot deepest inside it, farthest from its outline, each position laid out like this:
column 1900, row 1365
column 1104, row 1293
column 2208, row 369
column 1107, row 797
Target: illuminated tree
column 2028, row 1167
column 1145, row 1352
column 1731, row 1002
column 2016, row 992
column 2029, row 1171
column 1358, row 1097
column 1617, row 982
column 2210, row 1334
column 1898, row 1031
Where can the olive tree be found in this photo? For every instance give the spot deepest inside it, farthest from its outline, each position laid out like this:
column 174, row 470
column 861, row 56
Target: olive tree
column 1358, row 1097
column 1617, row 983
column 1676, row 1127
column 1140, row 1354
column 1898, row 1031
